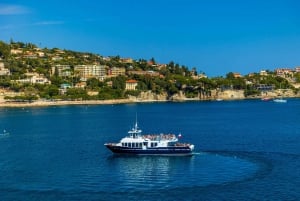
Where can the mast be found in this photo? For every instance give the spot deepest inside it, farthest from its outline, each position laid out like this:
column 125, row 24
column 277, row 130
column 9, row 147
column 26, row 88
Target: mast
column 135, row 132
column 136, row 125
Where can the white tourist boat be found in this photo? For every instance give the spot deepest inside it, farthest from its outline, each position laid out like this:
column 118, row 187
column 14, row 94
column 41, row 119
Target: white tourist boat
column 151, row 144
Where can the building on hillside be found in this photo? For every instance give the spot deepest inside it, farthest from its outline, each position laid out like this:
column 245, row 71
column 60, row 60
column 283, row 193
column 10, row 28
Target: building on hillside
column 39, row 79
column 199, row 76
column 297, row 69
column 114, row 71
column 160, row 66
column 131, row 85
column 126, row 60
column 106, row 58
column 265, row 87
column 284, row 72
column 56, row 58
column 3, row 70
column 263, row 73
column 109, row 83
column 34, row 78
column 251, row 75
column 62, row 70
column 40, row 54
column 81, row 85
column 89, row 71
column 16, row 51
column 64, row 88
column 237, row 75
column 30, row 55
column 151, row 73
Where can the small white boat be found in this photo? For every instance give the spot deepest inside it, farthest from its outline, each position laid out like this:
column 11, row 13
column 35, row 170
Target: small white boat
column 280, row 100
column 266, row 99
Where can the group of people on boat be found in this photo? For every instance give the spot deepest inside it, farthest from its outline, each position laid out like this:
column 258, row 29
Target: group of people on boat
column 182, row 144
column 160, row 137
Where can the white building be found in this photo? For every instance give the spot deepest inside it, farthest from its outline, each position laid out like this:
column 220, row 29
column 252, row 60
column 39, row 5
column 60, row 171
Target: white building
column 131, row 85
column 263, row 73
column 62, row 70
column 34, row 79
column 89, row 71
column 114, row 71
column 3, row 70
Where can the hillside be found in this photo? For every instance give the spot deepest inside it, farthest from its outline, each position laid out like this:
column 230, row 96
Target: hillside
column 30, row 73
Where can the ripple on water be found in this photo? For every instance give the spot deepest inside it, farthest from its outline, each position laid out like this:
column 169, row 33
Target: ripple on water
column 141, row 173
column 152, row 172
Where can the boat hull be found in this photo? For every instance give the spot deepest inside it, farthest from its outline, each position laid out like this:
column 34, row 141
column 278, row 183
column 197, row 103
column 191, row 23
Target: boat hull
column 174, row 150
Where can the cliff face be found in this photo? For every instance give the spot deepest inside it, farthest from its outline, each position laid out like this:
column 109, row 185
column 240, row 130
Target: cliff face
column 149, row 96
column 280, row 92
column 180, row 96
column 231, row 94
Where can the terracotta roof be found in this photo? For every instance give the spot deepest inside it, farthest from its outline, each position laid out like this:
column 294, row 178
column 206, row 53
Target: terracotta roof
column 131, row 81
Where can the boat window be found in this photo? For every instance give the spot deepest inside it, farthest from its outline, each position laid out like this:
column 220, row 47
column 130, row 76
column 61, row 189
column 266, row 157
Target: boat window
column 122, row 144
column 155, row 144
column 141, row 144
column 129, row 144
column 145, row 143
column 133, row 145
column 125, row 144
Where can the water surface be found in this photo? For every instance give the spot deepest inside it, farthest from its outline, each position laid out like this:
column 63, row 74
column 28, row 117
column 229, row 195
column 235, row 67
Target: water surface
column 245, row 150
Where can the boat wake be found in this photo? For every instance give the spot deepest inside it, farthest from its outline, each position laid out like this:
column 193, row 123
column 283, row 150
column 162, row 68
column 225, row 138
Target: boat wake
column 201, row 169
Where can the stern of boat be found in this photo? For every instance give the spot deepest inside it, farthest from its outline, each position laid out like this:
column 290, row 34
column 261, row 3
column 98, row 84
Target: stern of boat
column 192, row 147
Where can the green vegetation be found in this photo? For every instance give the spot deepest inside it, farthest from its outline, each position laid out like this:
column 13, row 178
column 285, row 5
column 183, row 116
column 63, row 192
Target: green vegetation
column 169, row 78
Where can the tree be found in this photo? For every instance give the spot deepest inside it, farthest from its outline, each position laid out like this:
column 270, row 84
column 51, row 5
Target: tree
column 152, row 60
column 92, row 83
column 119, row 82
column 297, row 77
column 106, row 93
column 77, row 93
column 49, row 91
column 230, row 75
column 4, row 50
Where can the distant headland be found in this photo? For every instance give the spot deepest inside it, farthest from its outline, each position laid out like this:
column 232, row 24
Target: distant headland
column 33, row 76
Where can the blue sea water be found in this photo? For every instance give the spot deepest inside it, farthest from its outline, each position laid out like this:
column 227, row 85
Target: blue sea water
column 245, row 150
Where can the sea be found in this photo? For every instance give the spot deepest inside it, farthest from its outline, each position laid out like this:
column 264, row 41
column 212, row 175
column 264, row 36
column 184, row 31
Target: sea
column 244, row 150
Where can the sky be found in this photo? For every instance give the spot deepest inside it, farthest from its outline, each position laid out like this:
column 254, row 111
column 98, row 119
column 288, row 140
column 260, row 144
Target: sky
column 214, row 36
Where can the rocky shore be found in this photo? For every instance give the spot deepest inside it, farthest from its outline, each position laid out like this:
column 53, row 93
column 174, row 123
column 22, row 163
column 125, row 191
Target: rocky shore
column 151, row 97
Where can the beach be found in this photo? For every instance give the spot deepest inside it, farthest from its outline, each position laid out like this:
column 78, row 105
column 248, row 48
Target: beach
column 41, row 103
column 44, row 103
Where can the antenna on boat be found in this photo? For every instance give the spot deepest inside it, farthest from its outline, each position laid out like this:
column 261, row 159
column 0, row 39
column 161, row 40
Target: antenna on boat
column 136, row 124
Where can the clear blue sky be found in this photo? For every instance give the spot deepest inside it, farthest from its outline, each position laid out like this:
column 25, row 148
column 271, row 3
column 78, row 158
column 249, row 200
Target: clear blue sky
column 215, row 36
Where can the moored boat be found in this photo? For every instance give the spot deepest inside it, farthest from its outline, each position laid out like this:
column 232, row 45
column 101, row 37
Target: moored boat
column 266, row 98
column 280, row 100
column 156, row 144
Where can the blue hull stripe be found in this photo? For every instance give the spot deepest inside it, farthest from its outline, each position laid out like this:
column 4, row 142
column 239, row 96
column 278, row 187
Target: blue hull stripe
column 152, row 151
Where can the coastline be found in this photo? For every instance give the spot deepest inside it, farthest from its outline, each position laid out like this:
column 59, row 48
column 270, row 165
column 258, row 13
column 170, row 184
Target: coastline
column 41, row 103
column 47, row 103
